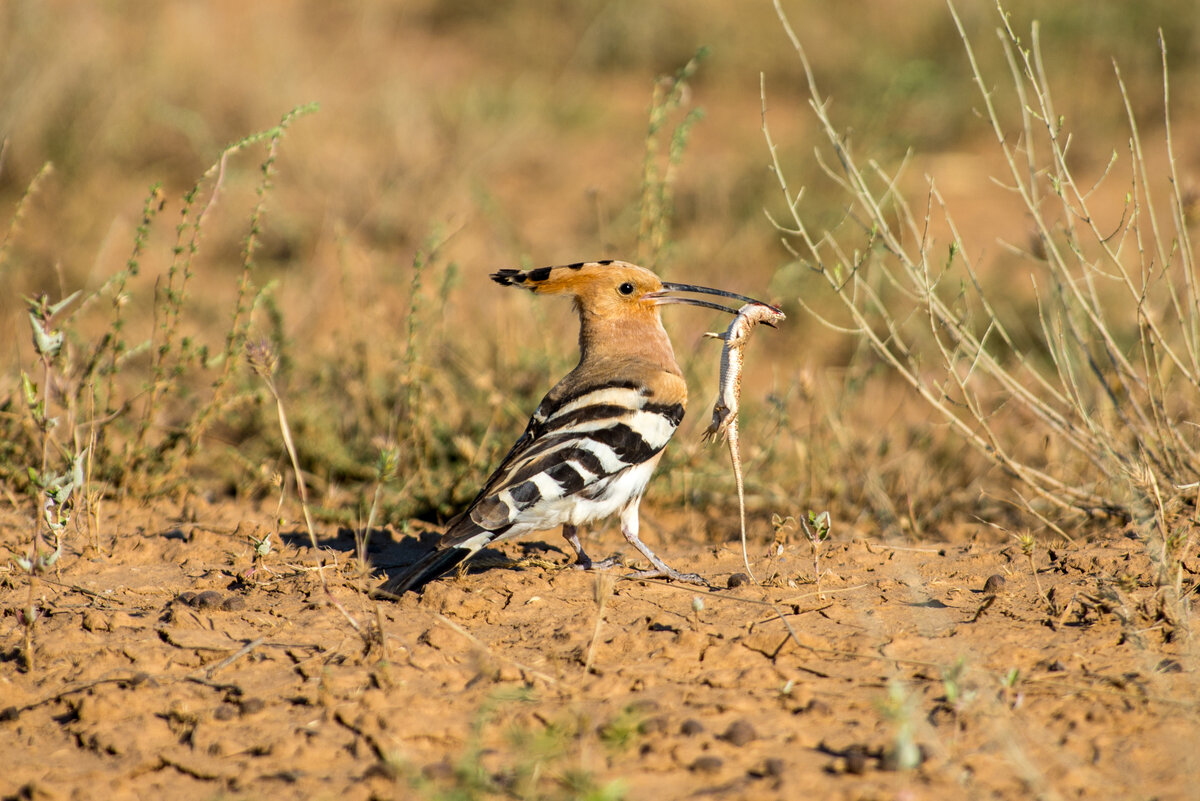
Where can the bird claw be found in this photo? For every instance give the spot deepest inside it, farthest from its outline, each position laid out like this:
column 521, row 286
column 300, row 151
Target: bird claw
column 671, row 575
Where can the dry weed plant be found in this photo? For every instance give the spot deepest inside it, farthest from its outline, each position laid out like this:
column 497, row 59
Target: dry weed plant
column 1109, row 377
column 671, row 94
column 264, row 361
column 1104, row 382
column 90, row 401
column 88, row 430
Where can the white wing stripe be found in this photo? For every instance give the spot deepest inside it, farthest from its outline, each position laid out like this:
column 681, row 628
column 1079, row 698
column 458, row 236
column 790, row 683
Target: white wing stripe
column 617, row 396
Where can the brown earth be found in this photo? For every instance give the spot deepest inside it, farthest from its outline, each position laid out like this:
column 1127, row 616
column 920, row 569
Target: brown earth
column 168, row 665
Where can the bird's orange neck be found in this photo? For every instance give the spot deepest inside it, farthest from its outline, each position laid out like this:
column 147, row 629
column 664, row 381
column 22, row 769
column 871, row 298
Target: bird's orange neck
column 640, row 336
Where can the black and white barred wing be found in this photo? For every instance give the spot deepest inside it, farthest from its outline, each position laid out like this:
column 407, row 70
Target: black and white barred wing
column 572, row 450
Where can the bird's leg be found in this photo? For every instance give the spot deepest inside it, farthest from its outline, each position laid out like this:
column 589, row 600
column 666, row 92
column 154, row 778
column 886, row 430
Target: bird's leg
column 582, row 561
column 660, row 569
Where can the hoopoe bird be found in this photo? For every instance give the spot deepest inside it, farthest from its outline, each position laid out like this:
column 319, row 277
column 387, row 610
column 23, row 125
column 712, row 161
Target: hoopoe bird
column 594, row 440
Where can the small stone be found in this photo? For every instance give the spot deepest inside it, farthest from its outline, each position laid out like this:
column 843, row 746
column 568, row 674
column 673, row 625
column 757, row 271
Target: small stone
column 994, row 584
column 737, row 580
column 771, row 768
column 381, row 770
column 706, row 764
column 206, row 599
column 739, row 733
column 233, row 603
column 691, row 727
column 655, row 725
column 438, row 770
column 251, row 705
column 816, row 706
column 644, row 705
column 225, row 712
column 188, row 598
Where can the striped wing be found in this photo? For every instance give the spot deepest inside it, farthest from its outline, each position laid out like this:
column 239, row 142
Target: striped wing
column 572, row 448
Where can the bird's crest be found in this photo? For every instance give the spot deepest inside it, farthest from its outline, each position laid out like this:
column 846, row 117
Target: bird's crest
column 579, row 278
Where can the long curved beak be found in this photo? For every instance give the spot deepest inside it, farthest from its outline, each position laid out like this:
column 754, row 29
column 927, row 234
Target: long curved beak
column 662, row 299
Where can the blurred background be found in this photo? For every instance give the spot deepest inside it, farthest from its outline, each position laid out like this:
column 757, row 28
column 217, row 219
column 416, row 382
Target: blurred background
column 455, row 138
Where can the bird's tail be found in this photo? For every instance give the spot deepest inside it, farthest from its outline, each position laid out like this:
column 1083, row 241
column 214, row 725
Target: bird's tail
column 463, row 539
column 433, row 565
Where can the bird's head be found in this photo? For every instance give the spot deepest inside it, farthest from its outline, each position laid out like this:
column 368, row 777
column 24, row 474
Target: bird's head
column 611, row 289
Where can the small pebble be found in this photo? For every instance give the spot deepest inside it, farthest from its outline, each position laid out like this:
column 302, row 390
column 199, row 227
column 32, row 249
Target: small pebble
column 206, row 599
column 225, row 712
column 691, row 727
column 770, row 768
column 438, row 770
column 737, row 580
column 233, row 603
column 251, row 705
column 644, row 705
column 706, row 764
column 739, row 733
column 655, row 725
column 188, row 598
column 994, row 584
column 818, row 707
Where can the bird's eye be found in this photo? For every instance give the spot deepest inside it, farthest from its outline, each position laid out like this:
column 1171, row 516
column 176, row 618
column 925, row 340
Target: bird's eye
column 625, row 288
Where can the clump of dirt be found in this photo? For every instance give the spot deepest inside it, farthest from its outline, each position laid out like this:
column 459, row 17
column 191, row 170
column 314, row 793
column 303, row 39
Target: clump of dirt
column 175, row 663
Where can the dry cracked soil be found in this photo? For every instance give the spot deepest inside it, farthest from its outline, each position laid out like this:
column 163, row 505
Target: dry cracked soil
column 169, row 662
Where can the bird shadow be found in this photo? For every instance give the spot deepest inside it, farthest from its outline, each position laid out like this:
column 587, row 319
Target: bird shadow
column 389, row 551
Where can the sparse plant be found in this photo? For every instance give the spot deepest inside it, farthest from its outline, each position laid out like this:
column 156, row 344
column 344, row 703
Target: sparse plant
column 671, row 93
column 1110, row 371
column 1009, row 684
column 620, row 733
column 247, row 299
column 264, row 360
column 697, row 608
column 958, row 694
column 899, row 710
column 385, row 473
column 816, row 530
column 82, row 403
column 781, row 527
column 262, row 549
column 1028, row 544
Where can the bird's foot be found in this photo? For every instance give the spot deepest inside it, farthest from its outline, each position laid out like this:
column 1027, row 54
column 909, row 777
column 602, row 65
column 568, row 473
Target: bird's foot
column 584, row 563
column 671, row 575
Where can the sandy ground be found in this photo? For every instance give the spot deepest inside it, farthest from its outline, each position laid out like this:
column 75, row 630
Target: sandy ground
column 169, row 665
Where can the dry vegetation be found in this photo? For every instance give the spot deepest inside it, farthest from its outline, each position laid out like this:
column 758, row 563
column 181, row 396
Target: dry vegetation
column 981, row 232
